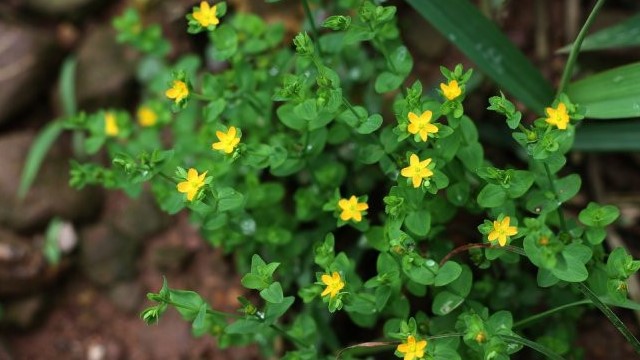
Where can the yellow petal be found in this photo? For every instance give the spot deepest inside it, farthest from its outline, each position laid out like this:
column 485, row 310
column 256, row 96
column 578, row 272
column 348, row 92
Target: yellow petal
column 406, row 172
column 345, row 215
column 413, row 117
column 192, row 174
column 326, row 279
column 492, row 236
column 426, row 116
column 417, row 180
column 343, row 203
column 183, row 187
column 232, row 132
column 362, row 206
column 204, row 6
column 502, row 240
column 414, row 159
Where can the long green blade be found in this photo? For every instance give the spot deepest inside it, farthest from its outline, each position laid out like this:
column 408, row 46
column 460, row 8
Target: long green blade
column 622, row 35
column 36, row 155
column 611, row 94
column 68, row 87
column 608, row 136
column 492, row 52
column 533, row 345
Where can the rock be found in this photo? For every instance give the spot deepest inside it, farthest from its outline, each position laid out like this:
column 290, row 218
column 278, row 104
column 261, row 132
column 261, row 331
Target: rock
column 28, row 58
column 61, row 7
column 104, row 74
column 127, row 296
column 170, row 257
column 141, row 217
column 50, row 194
column 24, row 312
column 22, row 266
column 106, row 256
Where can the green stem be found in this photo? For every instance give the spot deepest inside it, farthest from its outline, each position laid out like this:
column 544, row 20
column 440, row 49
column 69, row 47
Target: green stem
column 552, row 185
column 167, row 177
column 287, row 336
column 202, row 97
column 536, row 317
column 312, row 22
column 613, row 318
column 533, row 345
column 575, row 48
column 209, row 311
column 351, row 108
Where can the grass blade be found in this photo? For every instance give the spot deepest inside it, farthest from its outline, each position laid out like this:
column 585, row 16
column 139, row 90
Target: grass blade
column 596, row 136
column 37, row 152
column 68, row 86
column 623, row 35
column 611, row 94
column 492, row 52
column 533, row 345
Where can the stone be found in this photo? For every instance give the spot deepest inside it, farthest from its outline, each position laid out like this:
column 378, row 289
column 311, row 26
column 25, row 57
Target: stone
column 105, row 74
column 141, row 217
column 107, row 256
column 24, row 312
column 22, row 266
column 127, row 296
column 61, row 7
column 170, row 257
column 50, row 194
column 28, row 59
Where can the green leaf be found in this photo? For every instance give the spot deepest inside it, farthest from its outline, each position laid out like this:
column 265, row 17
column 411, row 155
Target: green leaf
column 448, row 273
column 273, row 311
column 308, row 110
column 288, row 117
column 621, row 35
column 610, row 94
column 418, row 222
column 568, row 187
column 273, row 293
column 244, row 326
column 492, row 196
column 387, row 81
column 199, row 325
column 370, row 153
column 213, row 110
column 597, row 215
column 37, row 153
column 491, row 51
column 471, row 156
column 187, row 303
column 445, row 302
column 371, row 124
column 520, row 182
column 401, row 61
column 229, row 199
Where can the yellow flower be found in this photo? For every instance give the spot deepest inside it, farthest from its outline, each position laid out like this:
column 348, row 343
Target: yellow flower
column 206, row 15
column 227, row 141
column 502, row 230
column 558, row 116
column 422, row 124
column 417, row 170
column 178, row 91
column 146, row 116
column 412, row 349
column 450, row 90
column 334, row 284
column 352, row 209
column 193, row 183
column 110, row 124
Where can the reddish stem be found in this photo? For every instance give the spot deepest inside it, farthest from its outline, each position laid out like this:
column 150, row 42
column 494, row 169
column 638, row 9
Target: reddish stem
column 462, row 248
